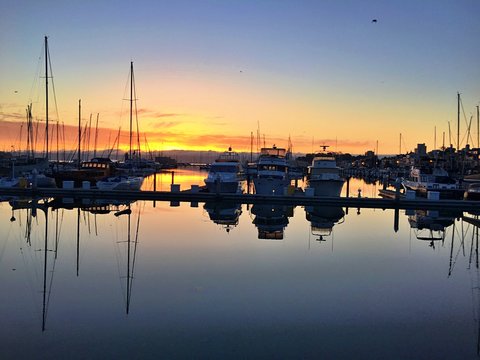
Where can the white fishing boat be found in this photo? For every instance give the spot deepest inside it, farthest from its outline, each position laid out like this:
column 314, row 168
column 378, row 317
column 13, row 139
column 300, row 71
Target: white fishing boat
column 225, row 174
column 272, row 172
column 120, row 183
column 324, row 176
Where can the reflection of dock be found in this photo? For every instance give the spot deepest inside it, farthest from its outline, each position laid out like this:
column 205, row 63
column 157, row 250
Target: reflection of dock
column 297, row 199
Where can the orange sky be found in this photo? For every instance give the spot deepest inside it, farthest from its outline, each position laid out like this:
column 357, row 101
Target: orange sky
column 208, row 75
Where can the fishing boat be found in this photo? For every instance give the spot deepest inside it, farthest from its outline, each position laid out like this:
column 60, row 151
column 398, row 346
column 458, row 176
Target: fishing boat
column 120, row 183
column 324, row 176
column 225, row 174
column 91, row 171
column 272, row 172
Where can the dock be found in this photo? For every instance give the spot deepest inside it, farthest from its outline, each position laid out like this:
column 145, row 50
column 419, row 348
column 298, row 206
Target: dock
column 296, row 199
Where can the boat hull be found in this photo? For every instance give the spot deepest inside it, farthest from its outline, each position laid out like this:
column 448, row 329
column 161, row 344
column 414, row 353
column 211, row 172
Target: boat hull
column 270, row 186
column 326, row 187
column 223, row 186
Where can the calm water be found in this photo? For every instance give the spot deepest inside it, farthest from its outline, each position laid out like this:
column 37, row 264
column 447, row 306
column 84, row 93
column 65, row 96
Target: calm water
column 236, row 281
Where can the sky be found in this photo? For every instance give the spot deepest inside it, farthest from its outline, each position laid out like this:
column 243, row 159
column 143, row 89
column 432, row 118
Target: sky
column 208, row 74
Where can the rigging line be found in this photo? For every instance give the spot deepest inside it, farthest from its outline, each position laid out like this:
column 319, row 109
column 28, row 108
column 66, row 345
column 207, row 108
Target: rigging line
column 53, row 85
column 37, row 74
column 136, row 116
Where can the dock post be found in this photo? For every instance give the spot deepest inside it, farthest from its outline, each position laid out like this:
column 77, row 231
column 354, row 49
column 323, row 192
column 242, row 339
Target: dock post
column 348, row 186
column 398, row 183
column 173, row 177
column 395, row 219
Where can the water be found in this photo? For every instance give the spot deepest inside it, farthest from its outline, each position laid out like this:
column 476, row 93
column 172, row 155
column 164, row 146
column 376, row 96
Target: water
column 184, row 286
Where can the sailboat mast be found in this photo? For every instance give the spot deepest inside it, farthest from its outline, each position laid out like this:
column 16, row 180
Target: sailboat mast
column 46, row 95
column 478, row 128
column 131, row 107
column 458, row 121
column 96, row 138
column 79, row 131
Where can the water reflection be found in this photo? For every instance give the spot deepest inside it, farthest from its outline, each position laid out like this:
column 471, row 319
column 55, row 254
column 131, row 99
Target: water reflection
column 225, row 214
column 323, row 219
column 271, row 220
column 200, row 292
column 431, row 225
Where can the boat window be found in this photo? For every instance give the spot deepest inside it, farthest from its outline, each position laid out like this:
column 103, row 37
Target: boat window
column 223, row 168
column 272, row 168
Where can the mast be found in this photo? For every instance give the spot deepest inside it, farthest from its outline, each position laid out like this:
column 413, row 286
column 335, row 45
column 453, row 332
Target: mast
column 131, row 108
column 458, row 121
column 478, row 128
column 79, row 131
column 96, row 138
column 46, row 95
column 400, row 144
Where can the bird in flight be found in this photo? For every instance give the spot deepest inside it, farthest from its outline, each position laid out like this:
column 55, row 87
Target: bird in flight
column 374, row 20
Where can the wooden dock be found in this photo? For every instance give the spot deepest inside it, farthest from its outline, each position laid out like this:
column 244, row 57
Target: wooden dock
column 296, row 199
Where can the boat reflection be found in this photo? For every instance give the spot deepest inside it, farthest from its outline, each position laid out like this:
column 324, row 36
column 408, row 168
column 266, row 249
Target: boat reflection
column 225, row 214
column 323, row 219
column 271, row 220
column 431, row 225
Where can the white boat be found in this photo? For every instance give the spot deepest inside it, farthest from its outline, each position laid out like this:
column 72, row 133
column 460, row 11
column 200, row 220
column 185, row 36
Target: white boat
column 324, row 176
column 423, row 180
column 272, row 172
column 225, row 174
column 120, row 183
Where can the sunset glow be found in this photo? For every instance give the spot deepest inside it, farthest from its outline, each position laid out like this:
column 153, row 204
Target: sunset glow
column 209, row 75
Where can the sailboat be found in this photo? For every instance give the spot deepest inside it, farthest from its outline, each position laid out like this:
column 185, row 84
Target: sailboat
column 127, row 181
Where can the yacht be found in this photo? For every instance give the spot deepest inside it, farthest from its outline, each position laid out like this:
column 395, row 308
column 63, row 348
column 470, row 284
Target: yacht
column 424, row 179
column 324, row 176
column 225, row 174
column 272, row 174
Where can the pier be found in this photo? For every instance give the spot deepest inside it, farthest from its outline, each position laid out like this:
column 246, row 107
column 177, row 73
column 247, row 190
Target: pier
column 193, row 196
